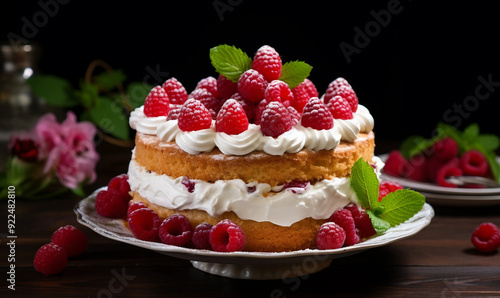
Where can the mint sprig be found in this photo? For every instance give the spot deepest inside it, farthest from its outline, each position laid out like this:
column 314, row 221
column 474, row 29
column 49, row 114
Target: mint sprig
column 230, row 61
column 295, row 72
column 394, row 209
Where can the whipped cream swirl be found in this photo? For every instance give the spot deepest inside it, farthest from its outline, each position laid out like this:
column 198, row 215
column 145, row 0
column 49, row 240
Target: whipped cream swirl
column 147, row 125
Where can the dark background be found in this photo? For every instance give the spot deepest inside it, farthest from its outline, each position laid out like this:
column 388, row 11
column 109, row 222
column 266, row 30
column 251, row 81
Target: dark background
column 411, row 73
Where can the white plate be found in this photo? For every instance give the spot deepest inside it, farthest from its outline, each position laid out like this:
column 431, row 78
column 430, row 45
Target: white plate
column 248, row 265
column 449, row 195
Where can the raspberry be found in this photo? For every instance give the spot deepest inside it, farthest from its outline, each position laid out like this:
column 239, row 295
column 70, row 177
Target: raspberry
column 451, row 168
column 231, row 118
column 50, row 259
column 279, row 91
column 156, row 103
column 194, row 116
column 302, row 93
column 211, row 102
column 386, row 187
column 433, row 165
column 71, row 239
column 226, row 87
column 120, row 185
column 175, row 110
column 209, row 83
column 445, row 149
column 252, row 85
column 134, row 206
column 201, row 235
column 486, row 237
column 345, row 92
column 176, row 230
column 177, row 94
column 294, row 115
column 267, row 62
column 344, row 219
column 330, row 236
column 474, row 163
column 417, row 168
column 226, row 236
column 248, row 106
column 275, row 120
column 188, row 183
column 144, row 224
column 259, row 110
column 112, row 204
column 340, row 108
column 296, row 186
column 316, row 115
column 396, row 164
column 362, row 221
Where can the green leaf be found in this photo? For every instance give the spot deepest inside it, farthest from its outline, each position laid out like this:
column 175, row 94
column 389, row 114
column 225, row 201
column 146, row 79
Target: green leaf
column 230, row 61
column 110, row 117
column 378, row 224
column 365, row 184
column 54, row 90
column 295, row 72
column 414, row 145
column 471, row 133
column 489, row 142
column 88, row 94
column 109, row 80
column 401, row 205
column 136, row 93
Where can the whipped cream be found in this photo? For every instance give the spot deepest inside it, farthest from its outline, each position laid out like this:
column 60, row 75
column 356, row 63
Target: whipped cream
column 292, row 141
column 283, row 208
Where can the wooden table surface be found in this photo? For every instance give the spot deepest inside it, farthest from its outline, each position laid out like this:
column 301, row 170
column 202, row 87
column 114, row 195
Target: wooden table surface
column 439, row 261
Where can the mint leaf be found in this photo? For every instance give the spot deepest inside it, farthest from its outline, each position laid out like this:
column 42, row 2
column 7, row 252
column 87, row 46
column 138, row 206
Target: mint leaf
column 489, row 142
column 295, row 72
column 378, row 224
column 414, row 145
column 54, row 90
column 230, row 61
column 401, row 205
column 470, row 133
column 365, row 184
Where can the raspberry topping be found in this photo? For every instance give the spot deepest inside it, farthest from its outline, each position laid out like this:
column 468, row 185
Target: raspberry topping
column 50, row 259
column 445, row 149
column 248, row 106
column 316, row 115
column 226, row 87
column 111, row 204
column 486, row 237
column 340, row 108
column 134, row 206
column 209, row 83
column 144, row 224
column 330, row 236
column 268, row 62
column 386, row 187
column 176, row 92
column 211, row 102
column 344, row 219
column 71, row 239
column 396, row 164
column 302, row 93
column 156, row 103
column 201, row 235
column 344, row 90
column 231, row 118
column 226, row 236
column 194, row 116
column 252, row 85
column 176, row 230
column 175, row 110
column 279, row 91
column 474, row 163
column 294, row 115
column 275, row 119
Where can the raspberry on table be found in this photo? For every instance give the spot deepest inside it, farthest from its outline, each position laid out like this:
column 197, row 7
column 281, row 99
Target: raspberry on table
column 279, row 91
column 201, row 235
column 156, row 103
column 226, row 236
column 316, row 115
column 252, row 85
column 275, row 120
column 330, row 236
column 340, row 108
column 231, row 118
column 210, row 84
column 176, row 230
column 396, row 165
column 302, row 93
column 134, row 206
column 112, row 204
column 486, row 237
column 194, row 116
column 50, row 259
column 176, row 92
column 71, row 239
column 474, row 163
column 144, row 224
column 267, row 62
column 344, row 218
column 226, row 87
